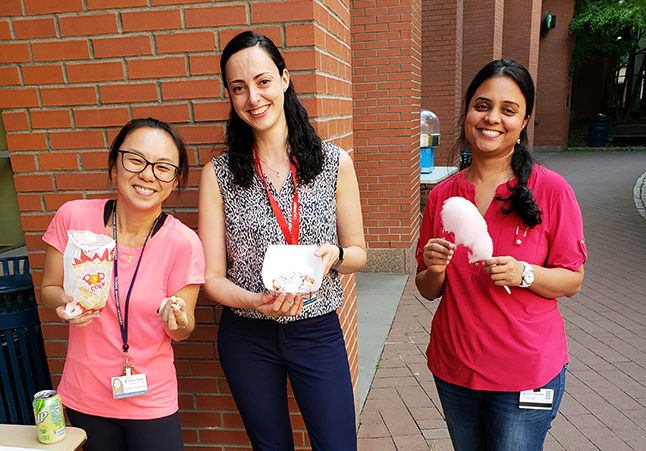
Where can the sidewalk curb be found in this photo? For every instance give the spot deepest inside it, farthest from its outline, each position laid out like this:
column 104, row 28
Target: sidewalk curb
column 639, row 195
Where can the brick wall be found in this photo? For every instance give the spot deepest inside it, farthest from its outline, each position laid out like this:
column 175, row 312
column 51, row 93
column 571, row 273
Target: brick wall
column 521, row 34
column 73, row 71
column 386, row 71
column 554, row 84
column 482, row 43
column 442, row 35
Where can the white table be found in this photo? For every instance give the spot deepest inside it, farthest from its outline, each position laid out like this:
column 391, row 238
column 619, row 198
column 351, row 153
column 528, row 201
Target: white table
column 439, row 173
column 20, row 437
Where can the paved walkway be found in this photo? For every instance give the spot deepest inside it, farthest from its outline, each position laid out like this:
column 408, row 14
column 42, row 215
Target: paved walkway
column 605, row 404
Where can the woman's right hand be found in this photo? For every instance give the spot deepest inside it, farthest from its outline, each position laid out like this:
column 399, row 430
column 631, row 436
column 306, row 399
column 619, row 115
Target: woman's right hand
column 437, row 254
column 81, row 320
column 283, row 304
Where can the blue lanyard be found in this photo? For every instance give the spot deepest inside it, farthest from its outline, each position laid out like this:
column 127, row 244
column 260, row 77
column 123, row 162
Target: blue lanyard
column 123, row 320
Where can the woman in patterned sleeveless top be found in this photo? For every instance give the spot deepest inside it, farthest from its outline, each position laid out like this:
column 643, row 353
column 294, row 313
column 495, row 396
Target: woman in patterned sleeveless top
column 279, row 184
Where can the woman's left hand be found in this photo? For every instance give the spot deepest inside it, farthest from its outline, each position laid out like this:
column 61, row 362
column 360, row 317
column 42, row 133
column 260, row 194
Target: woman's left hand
column 330, row 255
column 172, row 312
column 504, row 271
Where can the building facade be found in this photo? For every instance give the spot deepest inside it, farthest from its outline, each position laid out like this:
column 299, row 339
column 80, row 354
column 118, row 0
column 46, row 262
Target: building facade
column 73, row 71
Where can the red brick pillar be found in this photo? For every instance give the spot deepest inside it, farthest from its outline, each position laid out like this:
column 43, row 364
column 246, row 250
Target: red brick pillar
column 386, row 75
column 74, row 71
column 483, row 26
column 442, row 46
column 554, row 84
column 521, row 38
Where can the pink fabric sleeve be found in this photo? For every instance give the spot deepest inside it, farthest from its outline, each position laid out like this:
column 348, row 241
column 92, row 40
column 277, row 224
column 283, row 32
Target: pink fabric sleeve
column 567, row 242
column 188, row 265
column 56, row 234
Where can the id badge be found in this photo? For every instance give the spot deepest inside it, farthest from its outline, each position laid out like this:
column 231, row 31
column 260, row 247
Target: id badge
column 129, row 386
column 539, row 399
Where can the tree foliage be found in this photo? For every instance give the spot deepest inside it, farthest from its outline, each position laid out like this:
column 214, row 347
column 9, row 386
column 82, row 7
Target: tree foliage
column 607, row 27
column 613, row 28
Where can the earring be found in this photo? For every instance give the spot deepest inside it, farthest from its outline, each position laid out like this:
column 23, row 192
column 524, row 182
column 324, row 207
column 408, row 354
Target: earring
column 518, row 141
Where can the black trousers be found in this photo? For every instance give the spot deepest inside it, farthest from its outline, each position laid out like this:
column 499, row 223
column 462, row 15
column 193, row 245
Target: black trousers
column 113, row 434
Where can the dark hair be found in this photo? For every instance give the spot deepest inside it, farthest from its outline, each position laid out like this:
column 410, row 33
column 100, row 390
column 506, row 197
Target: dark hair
column 305, row 147
column 149, row 122
column 521, row 198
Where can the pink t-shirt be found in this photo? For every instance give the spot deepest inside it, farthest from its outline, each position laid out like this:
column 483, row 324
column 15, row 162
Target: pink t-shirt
column 173, row 258
column 481, row 337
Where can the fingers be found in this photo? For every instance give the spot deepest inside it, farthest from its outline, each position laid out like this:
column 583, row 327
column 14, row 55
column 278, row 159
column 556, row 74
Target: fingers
column 330, row 254
column 504, row 271
column 438, row 253
column 173, row 312
column 283, row 304
column 81, row 320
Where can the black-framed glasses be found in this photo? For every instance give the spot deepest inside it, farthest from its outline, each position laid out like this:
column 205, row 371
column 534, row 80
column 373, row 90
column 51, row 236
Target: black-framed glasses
column 135, row 163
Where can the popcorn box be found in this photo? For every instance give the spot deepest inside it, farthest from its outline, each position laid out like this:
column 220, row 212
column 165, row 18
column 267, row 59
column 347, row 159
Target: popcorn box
column 88, row 262
column 292, row 269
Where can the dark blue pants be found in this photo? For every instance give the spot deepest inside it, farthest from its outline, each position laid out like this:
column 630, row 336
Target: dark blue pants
column 488, row 420
column 257, row 357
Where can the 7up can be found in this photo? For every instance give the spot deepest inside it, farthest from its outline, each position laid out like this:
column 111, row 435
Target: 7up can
column 48, row 411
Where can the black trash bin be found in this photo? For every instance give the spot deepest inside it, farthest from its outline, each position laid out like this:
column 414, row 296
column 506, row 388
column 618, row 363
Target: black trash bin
column 23, row 363
column 598, row 133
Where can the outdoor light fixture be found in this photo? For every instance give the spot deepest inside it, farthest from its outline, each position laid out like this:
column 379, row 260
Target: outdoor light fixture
column 549, row 21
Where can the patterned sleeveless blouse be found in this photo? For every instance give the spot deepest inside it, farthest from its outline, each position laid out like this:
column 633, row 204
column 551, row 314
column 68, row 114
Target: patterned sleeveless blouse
column 250, row 227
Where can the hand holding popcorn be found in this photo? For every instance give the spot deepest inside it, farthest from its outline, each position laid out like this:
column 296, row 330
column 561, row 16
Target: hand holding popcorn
column 172, row 311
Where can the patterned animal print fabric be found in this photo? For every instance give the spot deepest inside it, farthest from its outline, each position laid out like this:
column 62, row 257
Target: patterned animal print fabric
column 251, row 227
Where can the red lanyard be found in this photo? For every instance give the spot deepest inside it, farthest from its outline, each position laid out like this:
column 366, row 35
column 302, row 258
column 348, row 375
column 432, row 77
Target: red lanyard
column 290, row 238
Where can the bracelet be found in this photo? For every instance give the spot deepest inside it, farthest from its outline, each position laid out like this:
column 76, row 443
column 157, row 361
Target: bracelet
column 340, row 259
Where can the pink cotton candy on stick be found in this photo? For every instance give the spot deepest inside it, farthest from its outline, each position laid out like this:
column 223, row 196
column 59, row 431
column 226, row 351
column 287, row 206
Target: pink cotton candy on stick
column 462, row 218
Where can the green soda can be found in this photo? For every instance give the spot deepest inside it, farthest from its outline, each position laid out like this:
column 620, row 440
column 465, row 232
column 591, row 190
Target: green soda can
column 50, row 421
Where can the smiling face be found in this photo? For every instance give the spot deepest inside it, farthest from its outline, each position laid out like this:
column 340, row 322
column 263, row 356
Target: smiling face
column 143, row 191
column 257, row 89
column 496, row 116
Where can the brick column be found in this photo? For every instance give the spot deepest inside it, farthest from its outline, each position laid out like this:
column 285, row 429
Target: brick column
column 521, row 38
column 74, row 71
column 554, row 84
column 483, row 27
column 442, row 46
column 386, row 74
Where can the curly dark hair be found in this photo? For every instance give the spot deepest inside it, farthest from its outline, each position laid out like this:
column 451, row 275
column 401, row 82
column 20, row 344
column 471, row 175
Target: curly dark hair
column 521, row 199
column 150, row 122
column 305, row 147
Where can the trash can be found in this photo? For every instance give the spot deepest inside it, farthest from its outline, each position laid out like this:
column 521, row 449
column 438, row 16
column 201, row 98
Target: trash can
column 23, row 362
column 465, row 158
column 598, row 133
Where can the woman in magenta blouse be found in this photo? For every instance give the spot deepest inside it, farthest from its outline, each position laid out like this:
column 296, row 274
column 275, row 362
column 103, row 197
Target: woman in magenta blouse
column 499, row 359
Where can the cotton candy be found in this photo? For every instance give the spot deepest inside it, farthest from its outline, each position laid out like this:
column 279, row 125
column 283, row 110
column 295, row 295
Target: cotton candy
column 462, row 218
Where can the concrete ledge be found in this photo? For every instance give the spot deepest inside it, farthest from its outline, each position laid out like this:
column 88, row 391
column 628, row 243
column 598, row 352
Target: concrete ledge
column 392, row 260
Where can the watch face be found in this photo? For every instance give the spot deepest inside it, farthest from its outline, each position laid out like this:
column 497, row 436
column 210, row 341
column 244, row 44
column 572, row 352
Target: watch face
column 529, row 277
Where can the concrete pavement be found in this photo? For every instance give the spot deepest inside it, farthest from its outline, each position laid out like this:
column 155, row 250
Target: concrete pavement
column 605, row 403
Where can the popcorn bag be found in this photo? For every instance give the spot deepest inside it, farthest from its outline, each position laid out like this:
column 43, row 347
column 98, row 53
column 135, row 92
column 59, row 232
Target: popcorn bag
column 87, row 261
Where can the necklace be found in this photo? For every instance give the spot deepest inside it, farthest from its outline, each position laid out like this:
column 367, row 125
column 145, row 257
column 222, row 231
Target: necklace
column 273, row 170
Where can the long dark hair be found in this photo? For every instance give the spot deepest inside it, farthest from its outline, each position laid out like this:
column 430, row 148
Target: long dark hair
column 522, row 198
column 305, row 147
column 149, row 122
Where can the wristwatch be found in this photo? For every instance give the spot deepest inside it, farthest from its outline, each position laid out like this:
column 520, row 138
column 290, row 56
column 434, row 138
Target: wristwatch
column 340, row 260
column 528, row 275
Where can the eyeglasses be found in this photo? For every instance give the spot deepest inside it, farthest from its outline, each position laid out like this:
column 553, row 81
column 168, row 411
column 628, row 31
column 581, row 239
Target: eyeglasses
column 135, row 163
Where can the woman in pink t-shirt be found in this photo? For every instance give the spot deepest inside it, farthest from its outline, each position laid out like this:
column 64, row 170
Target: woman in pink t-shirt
column 119, row 382
column 499, row 358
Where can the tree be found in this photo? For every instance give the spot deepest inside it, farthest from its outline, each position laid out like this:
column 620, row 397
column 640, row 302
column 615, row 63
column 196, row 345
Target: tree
column 613, row 28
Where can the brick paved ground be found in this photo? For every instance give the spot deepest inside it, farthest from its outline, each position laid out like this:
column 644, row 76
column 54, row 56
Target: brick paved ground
column 605, row 404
